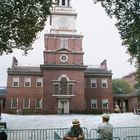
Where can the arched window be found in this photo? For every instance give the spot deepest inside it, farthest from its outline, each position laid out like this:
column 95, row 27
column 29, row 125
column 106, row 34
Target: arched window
column 63, row 86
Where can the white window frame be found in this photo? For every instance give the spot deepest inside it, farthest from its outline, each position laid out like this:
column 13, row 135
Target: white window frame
column 28, row 103
column 63, row 43
column 27, row 80
column 15, row 80
column 12, row 99
column 39, row 80
column 94, row 101
column 92, row 82
column 105, row 103
column 61, row 58
column 39, row 103
column 104, row 81
column 72, row 88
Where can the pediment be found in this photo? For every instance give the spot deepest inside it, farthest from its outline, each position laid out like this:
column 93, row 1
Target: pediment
column 63, row 50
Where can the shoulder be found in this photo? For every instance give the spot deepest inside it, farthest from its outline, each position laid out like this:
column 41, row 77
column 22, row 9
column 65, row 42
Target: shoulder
column 111, row 125
column 69, row 130
column 81, row 129
column 103, row 125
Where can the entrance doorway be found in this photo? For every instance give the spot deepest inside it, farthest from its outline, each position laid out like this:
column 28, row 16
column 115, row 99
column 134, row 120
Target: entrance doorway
column 63, row 106
column 126, row 106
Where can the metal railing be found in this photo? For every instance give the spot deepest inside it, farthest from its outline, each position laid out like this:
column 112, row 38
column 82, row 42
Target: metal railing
column 121, row 133
column 132, row 138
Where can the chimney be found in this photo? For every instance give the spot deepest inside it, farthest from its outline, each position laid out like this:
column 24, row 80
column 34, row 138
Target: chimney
column 14, row 62
column 104, row 64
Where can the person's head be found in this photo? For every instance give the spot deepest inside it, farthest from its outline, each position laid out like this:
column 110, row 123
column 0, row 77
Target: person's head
column 105, row 117
column 75, row 123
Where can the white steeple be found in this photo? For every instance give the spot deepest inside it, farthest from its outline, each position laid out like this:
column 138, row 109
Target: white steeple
column 63, row 18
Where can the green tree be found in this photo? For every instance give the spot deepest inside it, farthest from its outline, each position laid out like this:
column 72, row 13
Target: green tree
column 127, row 13
column 20, row 21
column 121, row 86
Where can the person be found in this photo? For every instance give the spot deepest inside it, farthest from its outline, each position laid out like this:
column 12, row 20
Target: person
column 105, row 129
column 3, row 135
column 75, row 132
column 117, row 109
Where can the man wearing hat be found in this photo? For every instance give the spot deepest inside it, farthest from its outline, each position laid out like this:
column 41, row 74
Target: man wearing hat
column 75, row 132
column 105, row 129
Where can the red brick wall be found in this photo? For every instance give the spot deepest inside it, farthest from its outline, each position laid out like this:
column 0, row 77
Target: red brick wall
column 99, row 94
column 22, row 92
column 74, row 52
column 50, row 104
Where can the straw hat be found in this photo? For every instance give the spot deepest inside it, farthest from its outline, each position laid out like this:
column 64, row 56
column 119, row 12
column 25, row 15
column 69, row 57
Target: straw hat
column 106, row 116
column 75, row 122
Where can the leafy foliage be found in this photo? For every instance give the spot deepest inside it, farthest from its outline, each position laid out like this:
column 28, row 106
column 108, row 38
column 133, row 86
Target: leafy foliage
column 137, row 77
column 121, row 86
column 127, row 13
column 20, row 21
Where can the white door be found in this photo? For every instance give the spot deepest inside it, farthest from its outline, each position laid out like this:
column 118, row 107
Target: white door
column 63, row 106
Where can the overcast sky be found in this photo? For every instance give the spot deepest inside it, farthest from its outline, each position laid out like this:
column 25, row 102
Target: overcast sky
column 101, row 41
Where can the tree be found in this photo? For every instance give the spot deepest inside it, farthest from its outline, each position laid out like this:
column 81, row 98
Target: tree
column 20, row 21
column 121, row 86
column 127, row 13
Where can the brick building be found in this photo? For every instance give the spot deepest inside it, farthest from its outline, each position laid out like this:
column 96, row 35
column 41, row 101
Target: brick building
column 130, row 101
column 98, row 90
column 63, row 84
column 131, row 79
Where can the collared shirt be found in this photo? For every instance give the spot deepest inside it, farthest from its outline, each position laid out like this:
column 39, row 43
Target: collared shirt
column 105, row 131
column 74, row 132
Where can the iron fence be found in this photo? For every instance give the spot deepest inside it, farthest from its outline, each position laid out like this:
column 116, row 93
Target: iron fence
column 121, row 133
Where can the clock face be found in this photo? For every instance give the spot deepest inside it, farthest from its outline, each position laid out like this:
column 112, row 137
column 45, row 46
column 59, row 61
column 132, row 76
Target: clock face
column 63, row 22
column 63, row 58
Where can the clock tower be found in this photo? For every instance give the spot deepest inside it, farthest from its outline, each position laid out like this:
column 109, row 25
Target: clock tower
column 63, row 68
column 63, row 18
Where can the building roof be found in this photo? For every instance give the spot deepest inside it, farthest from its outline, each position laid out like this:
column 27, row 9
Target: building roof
column 30, row 70
column 135, row 93
column 24, row 70
column 97, row 72
column 63, row 66
column 124, row 95
column 129, row 75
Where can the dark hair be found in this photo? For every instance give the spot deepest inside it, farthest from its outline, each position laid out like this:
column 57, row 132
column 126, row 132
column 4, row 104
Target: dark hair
column 106, row 119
